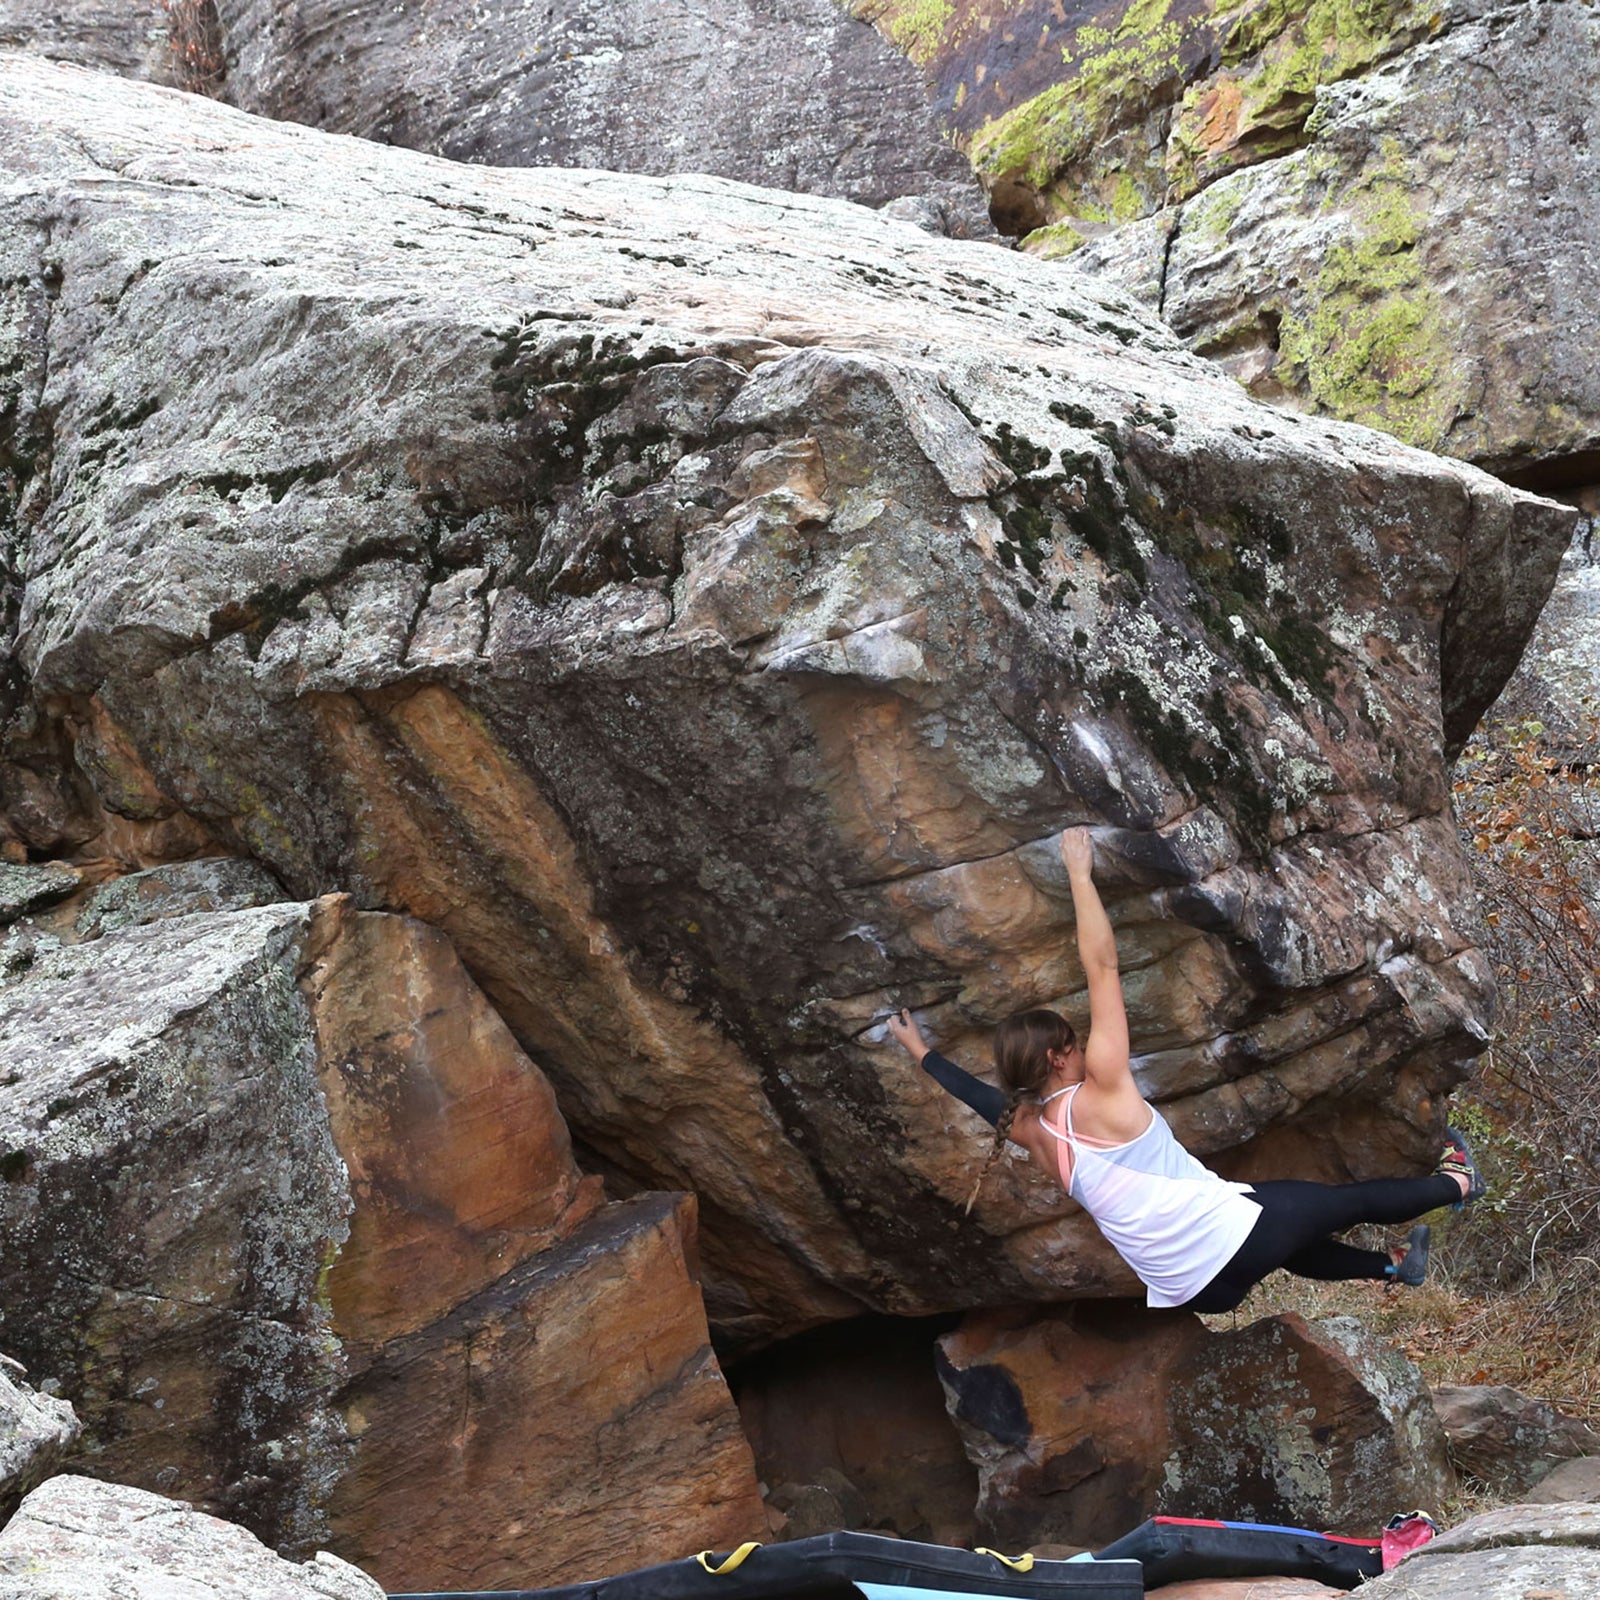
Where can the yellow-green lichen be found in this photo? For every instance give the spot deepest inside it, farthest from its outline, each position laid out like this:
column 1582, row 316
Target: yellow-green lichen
column 1370, row 342
column 918, row 26
column 1110, row 70
column 1274, row 58
column 1054, row 240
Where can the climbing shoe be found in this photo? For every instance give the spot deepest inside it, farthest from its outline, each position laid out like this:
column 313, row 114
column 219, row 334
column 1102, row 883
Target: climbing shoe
column 1412, row 1267
column 1457, row 1162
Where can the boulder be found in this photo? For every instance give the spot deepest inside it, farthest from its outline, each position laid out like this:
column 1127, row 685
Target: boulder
column 103, row 1541
column 286, row 1211
column 1578, row 1479
column 217, row 883
column 1379, row 272
column 1066, row 1416
column 137, row 38
column 1085, row 1421
column 1528, row 1552
column 1316, row 1425
column 36, row 1431
column 28, row 888
column 568, row 1423
column 1505, row 1438
column 707, row 607
column 802, row 96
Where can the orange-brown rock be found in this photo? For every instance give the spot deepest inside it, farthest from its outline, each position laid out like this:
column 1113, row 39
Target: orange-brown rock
column 861, row 1402
column 1065, row 1415
column 460, row 1165
column 569, row 1422
column 287, row 1210
column 1083, row 1422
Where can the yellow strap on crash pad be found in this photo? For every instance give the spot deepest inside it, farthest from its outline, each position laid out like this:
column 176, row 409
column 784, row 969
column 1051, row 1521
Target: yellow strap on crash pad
column 733, row 1561
column 1023, row 1563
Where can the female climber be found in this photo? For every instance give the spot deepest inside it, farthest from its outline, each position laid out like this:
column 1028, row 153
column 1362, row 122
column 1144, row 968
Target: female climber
column 1194, row 1239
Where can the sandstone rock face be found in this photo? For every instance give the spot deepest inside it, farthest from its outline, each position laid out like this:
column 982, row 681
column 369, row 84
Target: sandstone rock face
column 1065, row 1417
column 101, row 1541
column 36, row 1430
column 1508, row 1439
column 287, row 1212
column 1083, row 1423
column 709, row 622
column 570, row 1421
column 854, row 1414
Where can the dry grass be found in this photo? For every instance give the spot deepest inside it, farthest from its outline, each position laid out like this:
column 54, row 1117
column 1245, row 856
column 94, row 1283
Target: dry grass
column 1543, row 1339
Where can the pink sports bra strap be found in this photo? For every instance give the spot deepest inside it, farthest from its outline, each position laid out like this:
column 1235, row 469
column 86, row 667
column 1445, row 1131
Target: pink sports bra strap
column 1064, row 1141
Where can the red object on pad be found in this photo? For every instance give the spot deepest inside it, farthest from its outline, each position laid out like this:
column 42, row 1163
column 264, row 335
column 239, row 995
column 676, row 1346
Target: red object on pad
column 1407, row 1532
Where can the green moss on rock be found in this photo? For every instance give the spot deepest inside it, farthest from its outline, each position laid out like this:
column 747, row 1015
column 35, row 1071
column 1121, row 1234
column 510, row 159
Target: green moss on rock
column 1370, row 341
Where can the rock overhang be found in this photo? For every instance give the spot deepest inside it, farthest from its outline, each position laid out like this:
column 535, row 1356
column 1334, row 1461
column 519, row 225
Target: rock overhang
column 707, row 605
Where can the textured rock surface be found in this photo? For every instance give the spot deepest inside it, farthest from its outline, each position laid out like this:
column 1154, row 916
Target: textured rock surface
column 1317, row 1425
column 36, row 1431
column 78, row 1539
column 797, row 94
column 286, row 1211
column 1519, row 1553
column 1384, row 274
column 1083, row 1422
column 1065, row 1416
column 1506, row 1438
column 570, row 1421
column 172, row 1190
column 28, row 888
column 860, row 1404
column 132, row 37
column 1571, row 1480
column 706, row 606
column 219, row 883
column 1083, row 116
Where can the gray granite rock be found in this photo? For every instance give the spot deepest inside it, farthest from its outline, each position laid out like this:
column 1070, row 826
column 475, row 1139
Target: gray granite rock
column 1526, row 1552
column 27, row 888
column 1578, row 1479
column 171, row 1191
column 36, row 1431
column 80, row 1539
column 132, row 37
column 220, row 883
column 798, row 94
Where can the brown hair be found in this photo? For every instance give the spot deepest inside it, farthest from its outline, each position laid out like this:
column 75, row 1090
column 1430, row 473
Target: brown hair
column 1022, row 1047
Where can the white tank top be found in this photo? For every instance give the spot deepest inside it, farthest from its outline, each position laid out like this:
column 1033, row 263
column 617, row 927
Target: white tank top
column 1174, row 1221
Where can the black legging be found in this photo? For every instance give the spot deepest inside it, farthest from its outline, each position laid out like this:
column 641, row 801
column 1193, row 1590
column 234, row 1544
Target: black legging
column 1296, row 1220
